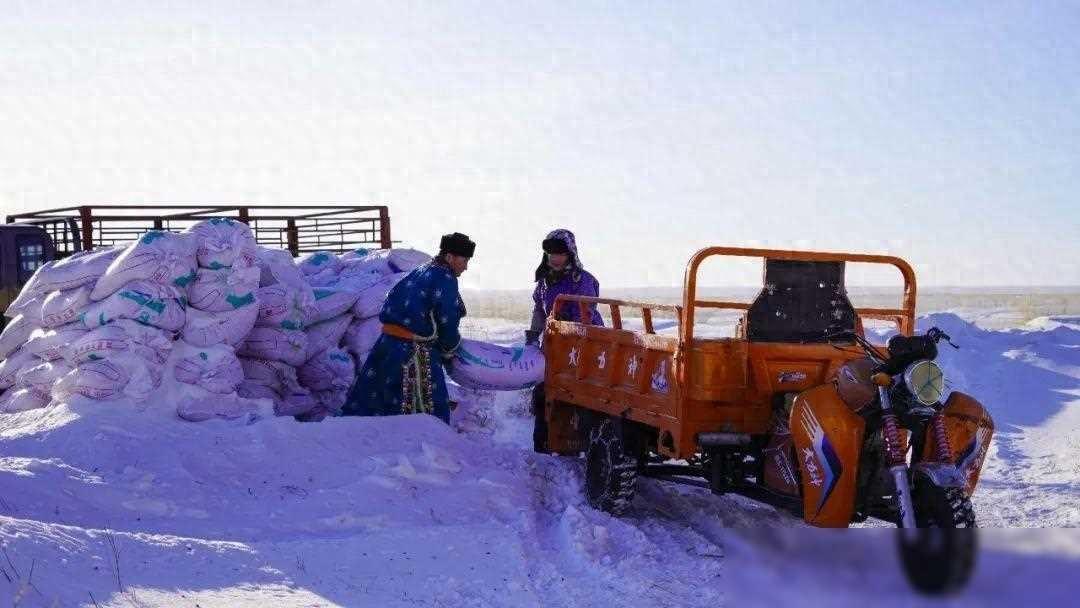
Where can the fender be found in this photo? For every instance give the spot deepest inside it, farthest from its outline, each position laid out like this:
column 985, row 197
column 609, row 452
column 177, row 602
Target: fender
column 828, row 439
column 970, row 429
column 940, row 474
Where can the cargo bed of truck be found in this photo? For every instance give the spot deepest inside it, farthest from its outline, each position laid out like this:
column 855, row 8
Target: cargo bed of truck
column 298, row 228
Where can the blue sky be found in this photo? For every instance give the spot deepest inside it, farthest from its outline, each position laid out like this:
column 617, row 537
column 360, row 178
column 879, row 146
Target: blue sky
column 947, row 133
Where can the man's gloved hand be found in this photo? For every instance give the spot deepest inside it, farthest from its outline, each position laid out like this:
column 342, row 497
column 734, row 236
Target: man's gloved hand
column 447, row 359
column 532, row 337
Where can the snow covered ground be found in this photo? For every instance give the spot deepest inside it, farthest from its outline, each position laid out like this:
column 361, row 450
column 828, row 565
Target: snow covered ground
column 101, row 505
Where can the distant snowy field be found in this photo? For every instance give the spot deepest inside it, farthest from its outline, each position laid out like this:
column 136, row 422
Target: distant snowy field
column 104, row 505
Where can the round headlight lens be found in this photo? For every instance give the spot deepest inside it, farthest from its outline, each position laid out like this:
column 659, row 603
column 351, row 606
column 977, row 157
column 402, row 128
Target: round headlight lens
column 926, row 381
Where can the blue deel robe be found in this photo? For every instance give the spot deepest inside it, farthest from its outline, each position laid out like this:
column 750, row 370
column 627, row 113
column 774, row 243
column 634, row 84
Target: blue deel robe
column 404, row 376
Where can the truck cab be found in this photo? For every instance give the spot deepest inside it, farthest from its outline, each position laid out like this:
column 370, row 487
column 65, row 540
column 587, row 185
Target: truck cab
column 23, row 249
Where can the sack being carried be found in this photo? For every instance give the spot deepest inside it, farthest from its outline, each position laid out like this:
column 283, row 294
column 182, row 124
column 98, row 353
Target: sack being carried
column 480, row 365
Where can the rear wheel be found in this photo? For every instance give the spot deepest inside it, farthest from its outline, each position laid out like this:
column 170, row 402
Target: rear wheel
column 939, row 557
column 610, row 474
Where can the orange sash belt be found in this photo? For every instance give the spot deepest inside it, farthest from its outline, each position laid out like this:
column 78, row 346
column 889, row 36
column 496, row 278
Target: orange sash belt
column 398, row 331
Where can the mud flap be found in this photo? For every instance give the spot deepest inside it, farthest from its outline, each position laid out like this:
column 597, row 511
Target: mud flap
column 970, row 429
column 779, row 454
column 566, row 429
column 940, row 474
column 828, row 439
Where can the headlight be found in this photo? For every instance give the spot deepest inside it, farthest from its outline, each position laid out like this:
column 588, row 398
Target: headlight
column 926, row 381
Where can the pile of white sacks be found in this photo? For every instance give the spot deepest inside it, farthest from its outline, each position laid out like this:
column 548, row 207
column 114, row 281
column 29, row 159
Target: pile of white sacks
column 317, row 322
column 210, row 322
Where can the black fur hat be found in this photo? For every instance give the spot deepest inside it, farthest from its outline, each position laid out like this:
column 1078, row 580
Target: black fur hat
column 457, row 244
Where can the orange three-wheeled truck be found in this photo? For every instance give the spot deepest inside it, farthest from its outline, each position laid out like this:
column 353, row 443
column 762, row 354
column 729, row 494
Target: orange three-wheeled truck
column 798, row 409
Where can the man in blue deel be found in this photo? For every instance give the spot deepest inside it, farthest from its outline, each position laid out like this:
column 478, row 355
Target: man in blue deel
column 403, row 374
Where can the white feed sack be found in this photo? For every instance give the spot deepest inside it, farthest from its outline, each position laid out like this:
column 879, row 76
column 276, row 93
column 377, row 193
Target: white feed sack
column 160, row 257
column 295, row 403
column 361, row 336
column 82, row 268
column 371, row 300
column 393, row 260
column 319, row 262
column 332, row 400
column 278, row 381
column 15, row 334
column 114, row 342
column 24, row 399
column 24, row 304
column 356, row 254
column 480, row 365
column 100, row 380
column 406, row 260
column 324, row 278
column 254, row 390
column 369, row 271
column 50, row 344
column 60, row 307
column 285, row 307
column 147, row 335
column 13, row 364
column 223, row 289
column 147, row 302
column 331, row 369
column 223, row 243
column 214, row 369
column 331, row 302
column 274, row 375
column 284, row 345
column 277, row 267
column 43, row 375
column 327, row 334
column 228, row 327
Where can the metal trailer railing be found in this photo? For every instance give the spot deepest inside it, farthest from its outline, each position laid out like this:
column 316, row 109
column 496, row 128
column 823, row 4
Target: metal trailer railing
column 300, row 228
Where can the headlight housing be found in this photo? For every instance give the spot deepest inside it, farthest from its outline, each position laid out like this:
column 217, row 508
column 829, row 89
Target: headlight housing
column 926, row 381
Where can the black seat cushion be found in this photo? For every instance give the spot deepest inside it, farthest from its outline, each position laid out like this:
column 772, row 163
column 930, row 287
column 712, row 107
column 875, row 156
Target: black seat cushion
column 800, row 302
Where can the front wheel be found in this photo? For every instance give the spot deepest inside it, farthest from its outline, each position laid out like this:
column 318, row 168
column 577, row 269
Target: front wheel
column 610, row 474
column 939, row 556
